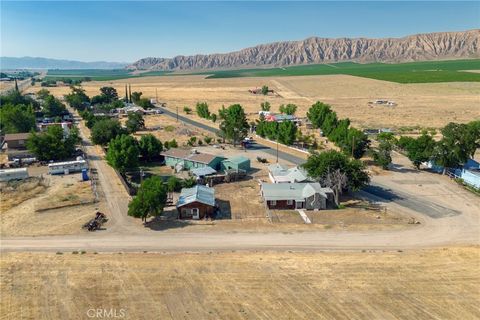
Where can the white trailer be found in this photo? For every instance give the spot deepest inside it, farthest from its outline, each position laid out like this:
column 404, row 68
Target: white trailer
column 67, row 167
column 13, row 174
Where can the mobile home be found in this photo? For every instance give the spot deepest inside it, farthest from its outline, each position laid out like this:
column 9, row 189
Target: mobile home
column 13, row 174
column 67, row 167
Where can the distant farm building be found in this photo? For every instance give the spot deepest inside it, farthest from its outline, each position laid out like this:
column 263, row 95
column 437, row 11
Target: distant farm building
column 289, row 196
column 181, row 159
column 196, row 203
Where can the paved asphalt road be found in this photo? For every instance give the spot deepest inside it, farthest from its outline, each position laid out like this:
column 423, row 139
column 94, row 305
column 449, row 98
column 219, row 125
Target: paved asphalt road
column 378, row 190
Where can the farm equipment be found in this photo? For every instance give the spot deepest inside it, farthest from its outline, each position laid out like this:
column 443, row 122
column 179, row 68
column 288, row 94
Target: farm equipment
column 96, row 223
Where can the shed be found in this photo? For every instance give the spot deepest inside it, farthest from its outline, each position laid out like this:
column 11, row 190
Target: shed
column 16, row 140
column 237, row 163
column 196, row 203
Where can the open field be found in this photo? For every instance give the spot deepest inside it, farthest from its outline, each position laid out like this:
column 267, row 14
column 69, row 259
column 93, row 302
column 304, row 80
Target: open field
column 423, row 284
column 425, row 105
column 98, row 74
column 412, row 72
column 58, row 205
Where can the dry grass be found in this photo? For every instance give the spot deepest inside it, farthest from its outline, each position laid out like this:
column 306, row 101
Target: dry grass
column 67, row 194
column 427, row 284
column 42, row 211
column 14, row 193
column 347, row 94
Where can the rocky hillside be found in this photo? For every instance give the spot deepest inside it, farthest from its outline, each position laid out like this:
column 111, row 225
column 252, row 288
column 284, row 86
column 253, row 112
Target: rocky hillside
column 429, row 46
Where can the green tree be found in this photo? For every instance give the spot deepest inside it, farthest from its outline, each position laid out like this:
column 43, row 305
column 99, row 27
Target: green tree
column 458, row 143
column 105, row 130
column 174, row 184
column 123, row 153
column 145, row 103
column 202, row 110
column 420, row 150
column 16, row 118
column 134, row 122
column 208, row 140
column 264, row 90
column 136, row 97
column 213, row 116
column 355, row 144
column 53, row 144
column 317, row 113
column 149, row 147
column 287, row 132
column 52, row 107
column 77, row 98
column 110, row 93
column 150, row 199
column 320, row 165
column 289, row 109
column 265, row 106
column 382, row 156
column 16, row 85
column 234, row 125
column 187, row 110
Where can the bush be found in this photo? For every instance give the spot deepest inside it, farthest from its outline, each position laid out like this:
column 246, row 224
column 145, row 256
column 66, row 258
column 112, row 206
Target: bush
column 187, row 110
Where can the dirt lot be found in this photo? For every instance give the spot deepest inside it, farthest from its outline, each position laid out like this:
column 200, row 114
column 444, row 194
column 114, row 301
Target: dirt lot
column 429, row 284
column 57, row 205
column 347, row 94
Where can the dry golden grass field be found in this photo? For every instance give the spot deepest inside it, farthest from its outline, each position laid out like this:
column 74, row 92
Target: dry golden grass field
column 426, row 104
column 424, row 284
column 57, row 205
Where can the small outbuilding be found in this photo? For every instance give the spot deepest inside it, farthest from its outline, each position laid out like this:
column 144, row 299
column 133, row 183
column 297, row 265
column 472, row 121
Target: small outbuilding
column 196, row 203
column 237, row 163
column 16, row 140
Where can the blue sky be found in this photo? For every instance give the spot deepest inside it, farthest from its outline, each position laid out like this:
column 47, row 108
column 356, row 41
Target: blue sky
column 127, row 31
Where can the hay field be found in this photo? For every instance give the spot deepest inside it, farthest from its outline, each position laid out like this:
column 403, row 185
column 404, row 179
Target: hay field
column 425, row 104
column 428, row 284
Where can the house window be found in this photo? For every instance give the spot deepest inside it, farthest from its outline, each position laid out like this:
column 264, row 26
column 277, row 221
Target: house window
column 289, row 202
column 273, row 203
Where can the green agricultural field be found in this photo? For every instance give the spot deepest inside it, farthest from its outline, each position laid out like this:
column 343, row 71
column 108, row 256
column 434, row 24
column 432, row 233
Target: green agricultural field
column 413, row 72
column 98, row 74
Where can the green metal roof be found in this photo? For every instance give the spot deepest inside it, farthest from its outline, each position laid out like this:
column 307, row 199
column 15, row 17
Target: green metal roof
column 238, row 159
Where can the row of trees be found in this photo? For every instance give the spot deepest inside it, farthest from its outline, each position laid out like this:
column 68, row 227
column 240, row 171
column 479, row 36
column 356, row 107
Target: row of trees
column 284, row 132
column 350, row 140
column 458, row 143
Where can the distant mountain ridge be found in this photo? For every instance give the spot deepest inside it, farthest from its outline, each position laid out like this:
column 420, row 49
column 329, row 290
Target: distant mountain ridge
column 46, row 63
column 419, row 47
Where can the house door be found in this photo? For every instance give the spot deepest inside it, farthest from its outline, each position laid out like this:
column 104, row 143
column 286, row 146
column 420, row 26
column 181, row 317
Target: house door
column 195, row 213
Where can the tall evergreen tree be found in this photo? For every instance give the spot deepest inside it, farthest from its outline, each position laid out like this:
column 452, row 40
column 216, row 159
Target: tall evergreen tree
column 129, row 93
column 126, row 94
column 16, row 85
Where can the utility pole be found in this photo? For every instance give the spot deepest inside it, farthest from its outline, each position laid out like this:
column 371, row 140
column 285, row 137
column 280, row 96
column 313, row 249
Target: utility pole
column 156, row 95
column 177, row 113
column 277, row 150
column 353, row 145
